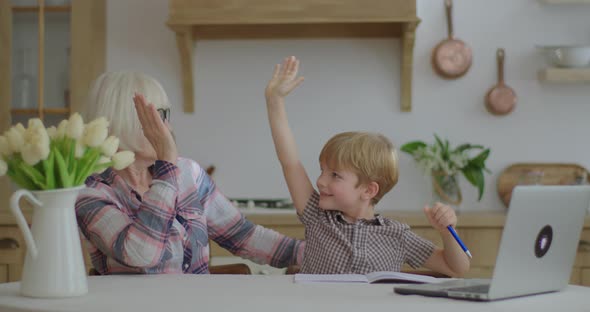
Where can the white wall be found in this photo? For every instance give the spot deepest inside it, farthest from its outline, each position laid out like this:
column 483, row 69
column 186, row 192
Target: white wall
column 353, row 84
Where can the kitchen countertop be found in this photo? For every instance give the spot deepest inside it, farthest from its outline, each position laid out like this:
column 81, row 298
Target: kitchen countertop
column 275, row 216
column 188, row 292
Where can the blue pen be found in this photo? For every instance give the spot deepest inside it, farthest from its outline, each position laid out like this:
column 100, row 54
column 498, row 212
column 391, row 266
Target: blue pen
column 456, row 236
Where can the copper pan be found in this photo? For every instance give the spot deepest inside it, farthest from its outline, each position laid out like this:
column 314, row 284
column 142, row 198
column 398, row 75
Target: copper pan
column 500, row 99
column 451, row 58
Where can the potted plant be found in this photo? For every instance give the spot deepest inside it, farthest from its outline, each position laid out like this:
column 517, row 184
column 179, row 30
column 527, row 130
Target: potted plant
column 443, row 163
column 51, row 165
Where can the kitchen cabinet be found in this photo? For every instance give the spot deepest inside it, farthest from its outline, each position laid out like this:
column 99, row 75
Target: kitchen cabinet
column 49, row 56
column 480, row 231
column 12, row 253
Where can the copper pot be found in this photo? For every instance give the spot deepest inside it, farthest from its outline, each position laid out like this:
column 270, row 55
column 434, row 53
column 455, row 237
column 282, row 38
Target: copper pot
column 451, row 58
column 500, row 99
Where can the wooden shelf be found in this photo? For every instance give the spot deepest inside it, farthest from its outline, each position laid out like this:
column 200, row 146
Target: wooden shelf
column 60, row 8
column 565, row 75
column 48, row 111
column 246, row 19
column 565, row 1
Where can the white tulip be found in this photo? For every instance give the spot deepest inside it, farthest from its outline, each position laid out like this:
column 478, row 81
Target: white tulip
column 95, row 132
column 35, row 144
column 79, row 150
column 75, row 126
column 5, row 149
column 30, row 155
column 61, row 129
column 122, row 160
column 109, row 146
column 36, row 123
column 33, row 153
column 52, row 132
column 102, row 160
column 15, row 139
column 3, row 167
column 20, row 128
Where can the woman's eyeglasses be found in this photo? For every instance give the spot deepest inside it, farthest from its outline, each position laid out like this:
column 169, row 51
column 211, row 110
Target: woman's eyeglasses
column 164, row 114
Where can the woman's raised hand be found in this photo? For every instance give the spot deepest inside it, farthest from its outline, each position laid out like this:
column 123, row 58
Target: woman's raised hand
column 155, row 130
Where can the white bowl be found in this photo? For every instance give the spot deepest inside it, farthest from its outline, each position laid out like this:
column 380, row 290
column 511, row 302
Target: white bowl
column 568, row 55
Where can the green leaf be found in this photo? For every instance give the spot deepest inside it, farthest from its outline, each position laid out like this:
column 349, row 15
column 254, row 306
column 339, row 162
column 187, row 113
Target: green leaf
column 62, row 169
column 86, row 165
column 61, row 145
column 479, row 160
column 468, row 173
column 96, row 168
column 74, row 172
column 480, row 181
column 33, row 174
column 49, row 171
column 17, row 176
column 101, row 167
column 439, row 142
column 467, row 146
column 411, row 147
column 475, row 177
column 23, row 182
column 72, row 156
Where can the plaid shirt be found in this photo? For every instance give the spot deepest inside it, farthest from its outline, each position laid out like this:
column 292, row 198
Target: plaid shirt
column 168, row 229
column 334, row 246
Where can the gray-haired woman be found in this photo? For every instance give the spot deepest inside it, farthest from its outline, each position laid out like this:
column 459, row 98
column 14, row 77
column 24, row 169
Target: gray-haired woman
column 158, row 214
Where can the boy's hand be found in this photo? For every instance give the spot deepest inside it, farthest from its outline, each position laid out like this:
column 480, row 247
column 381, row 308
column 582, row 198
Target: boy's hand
column 284, row 79
column 440, row 216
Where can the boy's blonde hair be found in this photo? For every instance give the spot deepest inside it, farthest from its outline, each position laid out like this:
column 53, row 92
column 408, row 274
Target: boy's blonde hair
column 370, row 155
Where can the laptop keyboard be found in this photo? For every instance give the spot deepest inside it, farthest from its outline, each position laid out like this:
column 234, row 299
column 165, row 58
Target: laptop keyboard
column 480, row 289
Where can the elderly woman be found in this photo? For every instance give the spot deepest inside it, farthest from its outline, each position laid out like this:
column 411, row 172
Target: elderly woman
column 158, row 214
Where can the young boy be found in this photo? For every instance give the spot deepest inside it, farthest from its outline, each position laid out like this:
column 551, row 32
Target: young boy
column 343, row 234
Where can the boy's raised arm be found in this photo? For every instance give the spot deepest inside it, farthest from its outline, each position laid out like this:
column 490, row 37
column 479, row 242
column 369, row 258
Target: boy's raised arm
column 283, row 81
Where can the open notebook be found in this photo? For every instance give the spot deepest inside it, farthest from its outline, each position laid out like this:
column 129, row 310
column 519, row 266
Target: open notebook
column 375, row 277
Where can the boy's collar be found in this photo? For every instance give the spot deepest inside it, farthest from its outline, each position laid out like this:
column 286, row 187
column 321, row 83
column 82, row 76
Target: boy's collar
column 377, row 220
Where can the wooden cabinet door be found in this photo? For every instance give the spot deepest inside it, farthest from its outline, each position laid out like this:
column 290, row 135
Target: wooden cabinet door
column 583, row 256
column 15, row 272
column 575, row 277
column 3, row 273
column 88, row 38
column 5, row 63
column 5, row 84
column 12, row 245
column 585, row 277
column 12, row 251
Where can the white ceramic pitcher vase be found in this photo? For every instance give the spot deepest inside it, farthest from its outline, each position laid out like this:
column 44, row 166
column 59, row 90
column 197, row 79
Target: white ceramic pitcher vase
column 54, row 264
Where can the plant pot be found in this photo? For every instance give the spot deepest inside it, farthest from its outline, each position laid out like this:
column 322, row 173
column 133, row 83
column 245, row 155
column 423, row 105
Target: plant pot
column 54, row 264
column 445, row 189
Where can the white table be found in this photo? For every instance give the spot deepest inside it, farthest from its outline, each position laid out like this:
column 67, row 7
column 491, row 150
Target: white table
column 239, row 293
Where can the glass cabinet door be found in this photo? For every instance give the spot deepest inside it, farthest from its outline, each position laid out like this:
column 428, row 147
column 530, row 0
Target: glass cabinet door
column 40, row 60
column 57, row 60
column 25, row 61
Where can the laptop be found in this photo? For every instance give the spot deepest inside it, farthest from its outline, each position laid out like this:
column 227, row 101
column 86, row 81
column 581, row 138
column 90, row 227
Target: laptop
column 537, row 249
